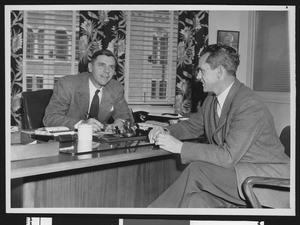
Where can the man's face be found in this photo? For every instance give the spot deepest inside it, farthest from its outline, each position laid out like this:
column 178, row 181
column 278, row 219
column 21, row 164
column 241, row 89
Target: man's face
column 206, row 75
column 102, row 69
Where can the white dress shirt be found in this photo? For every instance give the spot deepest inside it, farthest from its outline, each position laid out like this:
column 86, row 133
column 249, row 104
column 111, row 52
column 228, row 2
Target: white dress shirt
column 92, row 89
column 221, row 99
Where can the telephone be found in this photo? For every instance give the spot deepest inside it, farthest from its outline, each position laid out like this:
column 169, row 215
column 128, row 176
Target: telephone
column 140, row 116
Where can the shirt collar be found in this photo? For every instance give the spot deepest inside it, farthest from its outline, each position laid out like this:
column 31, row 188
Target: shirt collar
column 221, row 97
column 92, row 87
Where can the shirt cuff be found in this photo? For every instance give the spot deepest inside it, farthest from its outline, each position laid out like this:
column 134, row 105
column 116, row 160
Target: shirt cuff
column 166, row 130
column 76, row 125
column 117, row 120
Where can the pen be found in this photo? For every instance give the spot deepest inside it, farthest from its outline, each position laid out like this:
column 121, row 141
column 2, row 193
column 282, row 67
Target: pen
column 88, row 116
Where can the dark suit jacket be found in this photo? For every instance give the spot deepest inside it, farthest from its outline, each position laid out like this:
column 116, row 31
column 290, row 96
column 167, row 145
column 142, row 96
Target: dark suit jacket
column 244, row 138
column 70, row 102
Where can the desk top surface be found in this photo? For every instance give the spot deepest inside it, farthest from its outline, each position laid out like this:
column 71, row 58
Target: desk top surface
column 69, row 158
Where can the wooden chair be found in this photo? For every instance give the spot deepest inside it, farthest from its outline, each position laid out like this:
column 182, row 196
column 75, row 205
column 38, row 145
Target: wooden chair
column 34, row 104
column 249, row 182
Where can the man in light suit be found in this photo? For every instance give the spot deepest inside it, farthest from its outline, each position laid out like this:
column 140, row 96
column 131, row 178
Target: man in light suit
column 72, row 97
column 242, row 141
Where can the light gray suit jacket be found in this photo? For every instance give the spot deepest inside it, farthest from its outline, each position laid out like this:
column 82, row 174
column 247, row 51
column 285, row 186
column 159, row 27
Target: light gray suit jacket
column 70, row 102
column 244, row 138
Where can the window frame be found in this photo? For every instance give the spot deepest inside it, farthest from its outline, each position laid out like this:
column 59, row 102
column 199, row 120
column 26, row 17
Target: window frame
column 71, row 56
column 267, row 96
column 168, row 69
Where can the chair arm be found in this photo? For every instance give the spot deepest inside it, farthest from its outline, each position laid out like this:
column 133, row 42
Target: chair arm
column 251, row 181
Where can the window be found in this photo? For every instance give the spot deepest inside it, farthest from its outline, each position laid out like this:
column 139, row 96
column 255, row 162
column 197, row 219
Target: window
column 40, row 40
column 34, row 82
column 61, row 40
column 151, row 57
column 30, row 44
column 50, row 53
column 271, row 70
column 77, row 47
column 29, row 82
column 160, row 48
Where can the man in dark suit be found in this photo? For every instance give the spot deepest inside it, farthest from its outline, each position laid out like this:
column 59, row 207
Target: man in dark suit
column 242, row 141
column 72, row 97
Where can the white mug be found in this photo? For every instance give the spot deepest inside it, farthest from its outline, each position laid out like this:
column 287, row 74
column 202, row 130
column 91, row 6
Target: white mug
column 85, row 132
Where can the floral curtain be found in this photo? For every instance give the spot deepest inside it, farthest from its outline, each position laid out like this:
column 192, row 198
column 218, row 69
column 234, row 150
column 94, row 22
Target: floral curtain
column 102, row 30
column 16, row 66
column 192, row 38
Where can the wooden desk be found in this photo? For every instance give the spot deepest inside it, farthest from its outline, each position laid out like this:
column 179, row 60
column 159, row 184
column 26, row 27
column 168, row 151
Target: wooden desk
column 110, row 178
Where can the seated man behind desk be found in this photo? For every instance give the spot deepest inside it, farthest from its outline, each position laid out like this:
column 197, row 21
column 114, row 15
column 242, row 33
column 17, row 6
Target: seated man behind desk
column 73, row 97
column 242, row 141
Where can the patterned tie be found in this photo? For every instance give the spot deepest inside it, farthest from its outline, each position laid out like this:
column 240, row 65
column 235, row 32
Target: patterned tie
column 216, row 103
column 94, row 106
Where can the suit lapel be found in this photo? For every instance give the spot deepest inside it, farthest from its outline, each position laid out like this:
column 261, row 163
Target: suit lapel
column 209, row 113
column 226, row 107
column 83, row 96
column 218, row 134
column 106, row 103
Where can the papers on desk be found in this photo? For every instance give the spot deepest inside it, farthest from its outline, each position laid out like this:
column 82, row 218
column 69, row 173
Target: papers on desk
column 54, row 131
column 100, row 133
column 151, row 124
column 167, row 115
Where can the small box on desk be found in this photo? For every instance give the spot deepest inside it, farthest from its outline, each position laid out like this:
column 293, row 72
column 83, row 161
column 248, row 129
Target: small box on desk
column 30, row 151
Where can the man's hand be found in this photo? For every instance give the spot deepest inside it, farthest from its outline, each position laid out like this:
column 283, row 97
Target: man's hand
column 169, row 143
column 118, row 123
column 154, row 133
column 97, row 126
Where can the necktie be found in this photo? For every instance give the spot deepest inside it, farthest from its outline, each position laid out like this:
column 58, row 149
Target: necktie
column 216, row 105
column 94, row 106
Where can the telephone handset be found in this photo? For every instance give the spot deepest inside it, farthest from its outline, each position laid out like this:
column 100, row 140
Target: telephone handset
column 140, row 116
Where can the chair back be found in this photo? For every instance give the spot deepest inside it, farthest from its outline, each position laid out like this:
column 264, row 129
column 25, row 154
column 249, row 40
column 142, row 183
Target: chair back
column 285, row 139
column 34, row 104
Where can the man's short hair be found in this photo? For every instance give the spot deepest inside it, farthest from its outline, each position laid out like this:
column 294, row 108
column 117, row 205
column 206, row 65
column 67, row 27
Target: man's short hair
column 222, row 55
column 102, row 52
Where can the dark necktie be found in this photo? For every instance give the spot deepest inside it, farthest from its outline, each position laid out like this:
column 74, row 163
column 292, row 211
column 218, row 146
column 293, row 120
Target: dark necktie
column 94, row 106
column 216, row 110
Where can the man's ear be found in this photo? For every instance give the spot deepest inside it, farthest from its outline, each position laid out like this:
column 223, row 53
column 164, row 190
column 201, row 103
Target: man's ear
column 221, row 71
column 90, row 67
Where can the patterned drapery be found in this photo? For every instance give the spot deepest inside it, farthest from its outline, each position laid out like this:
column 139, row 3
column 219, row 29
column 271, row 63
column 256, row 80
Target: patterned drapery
column 102, row 30
column 16, row 66
column 192, row 38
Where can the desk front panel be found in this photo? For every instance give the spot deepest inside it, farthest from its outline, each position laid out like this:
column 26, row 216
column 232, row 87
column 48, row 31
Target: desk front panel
column 129, row 183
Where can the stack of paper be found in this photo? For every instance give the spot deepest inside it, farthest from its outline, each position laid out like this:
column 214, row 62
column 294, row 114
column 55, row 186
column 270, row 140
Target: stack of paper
column 53, row 131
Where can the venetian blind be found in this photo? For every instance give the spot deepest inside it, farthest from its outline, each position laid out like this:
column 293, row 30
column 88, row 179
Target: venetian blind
column 51, row 47
column 271, row 53
column 151, row 57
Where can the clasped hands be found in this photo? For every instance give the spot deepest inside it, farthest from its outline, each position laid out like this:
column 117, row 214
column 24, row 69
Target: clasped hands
column 164, row 140
column 98, row 126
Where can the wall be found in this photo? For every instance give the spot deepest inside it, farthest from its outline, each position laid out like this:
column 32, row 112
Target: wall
column 234, row 21
column 281, row 114
column 240, row 21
